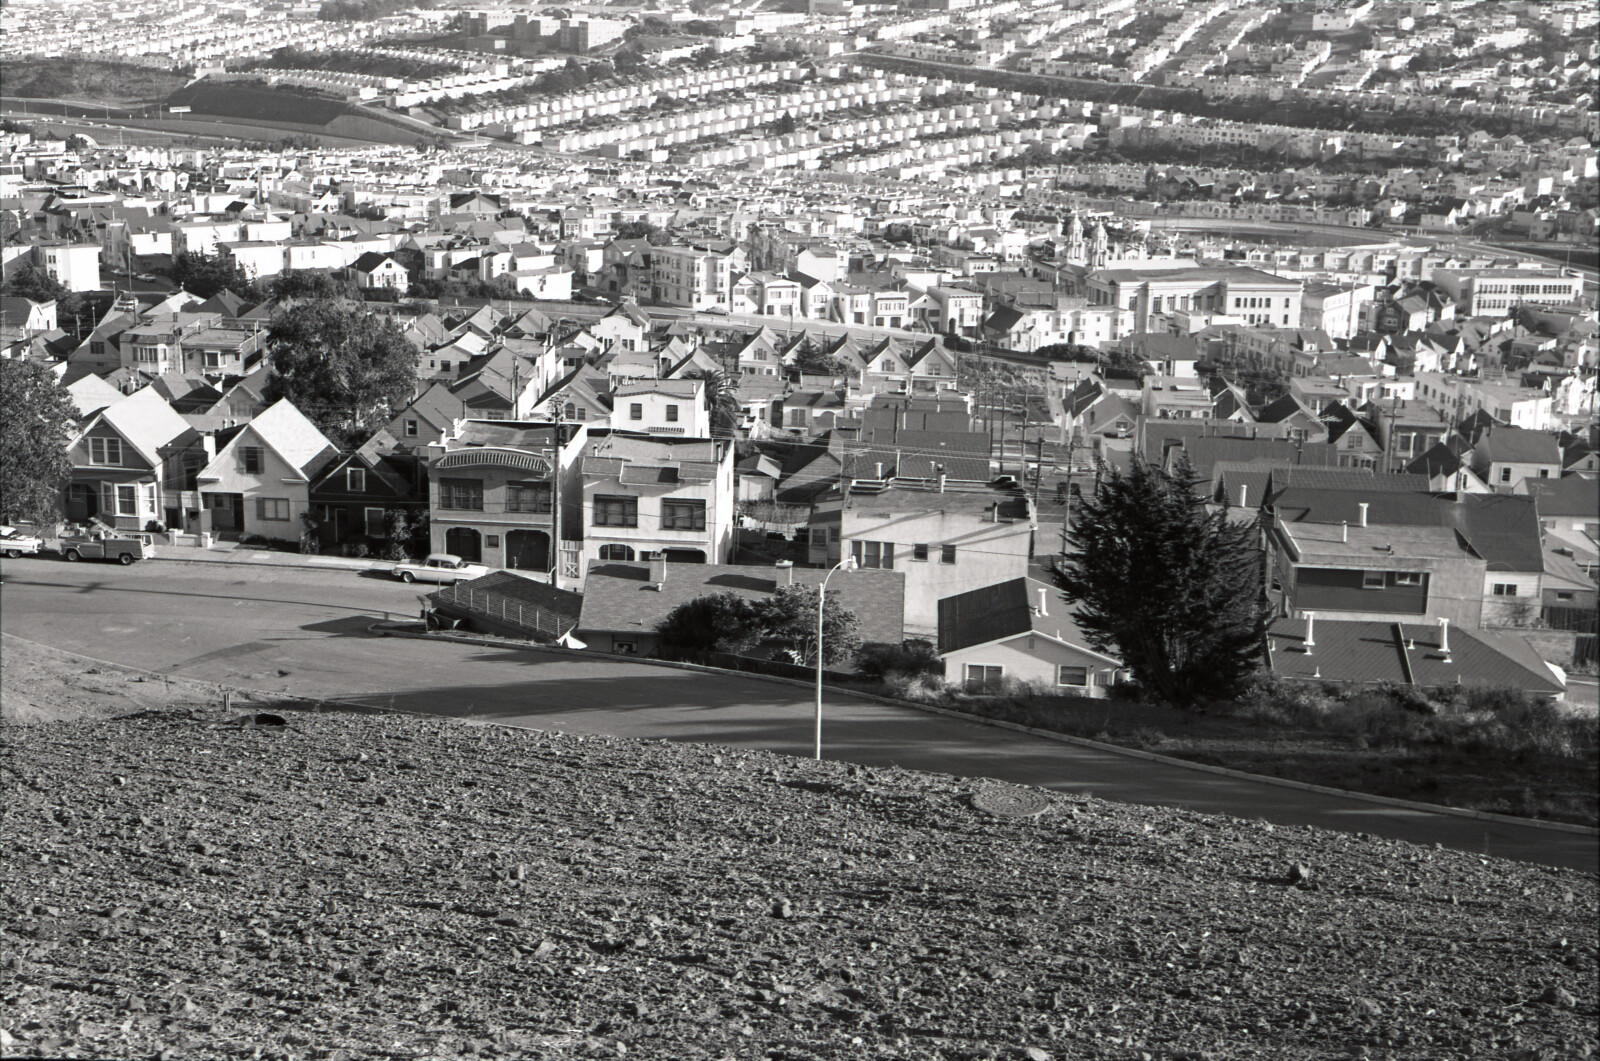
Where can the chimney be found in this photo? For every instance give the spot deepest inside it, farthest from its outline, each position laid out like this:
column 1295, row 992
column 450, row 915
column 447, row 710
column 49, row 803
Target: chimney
column 1444, row 637
column 877, row 469
column 1311, row 640
column 941, row 478
column 658, row 569
column 1244, row 495
column 785, row 572
column 1344, row 530
column 1362, row 508
column 1044, row 596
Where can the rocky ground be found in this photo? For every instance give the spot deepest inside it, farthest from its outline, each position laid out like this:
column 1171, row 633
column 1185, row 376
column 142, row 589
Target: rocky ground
column 179, row 885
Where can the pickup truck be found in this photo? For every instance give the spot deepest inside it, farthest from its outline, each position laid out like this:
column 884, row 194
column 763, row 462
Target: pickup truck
column 14, row 543
column 122, row 550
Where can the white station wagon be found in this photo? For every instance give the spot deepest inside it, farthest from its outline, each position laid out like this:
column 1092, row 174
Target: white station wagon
column 439, row 567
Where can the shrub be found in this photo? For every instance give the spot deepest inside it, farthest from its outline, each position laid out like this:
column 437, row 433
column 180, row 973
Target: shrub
column 1269, row 698
column 908, row 659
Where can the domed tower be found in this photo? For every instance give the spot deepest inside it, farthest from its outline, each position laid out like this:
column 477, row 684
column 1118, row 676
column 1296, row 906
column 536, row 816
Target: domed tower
column 1097, row 246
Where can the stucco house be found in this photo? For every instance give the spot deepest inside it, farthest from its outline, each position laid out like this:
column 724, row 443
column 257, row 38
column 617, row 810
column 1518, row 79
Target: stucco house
column 259, row 482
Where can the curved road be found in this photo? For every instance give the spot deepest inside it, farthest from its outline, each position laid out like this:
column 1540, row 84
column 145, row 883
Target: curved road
column 304, row 631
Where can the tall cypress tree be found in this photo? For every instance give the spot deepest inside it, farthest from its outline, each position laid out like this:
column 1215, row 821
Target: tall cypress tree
column 1173, row 589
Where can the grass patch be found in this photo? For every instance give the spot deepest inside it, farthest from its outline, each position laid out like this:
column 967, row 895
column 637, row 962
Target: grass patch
column 1491, row 750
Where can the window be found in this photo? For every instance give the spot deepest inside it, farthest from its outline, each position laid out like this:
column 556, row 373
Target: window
column 466, row 494
column 873, row 554
column 1372, row 580
column 272, row 508
column 1408, row 578
column 616, row 511
column 1074, row 676
column 947, row 554
column 683, row 515
column 528, row 497
column 672, row 414
column 625, row 648
column 920, row 552
column 1563, row 595
column 105, row 451
column 984, row 679
column 635, row 411
column 355, row 480
column 1544, row 473
column 1505, row 589
column 251, row 455
column 616, row 552
column 1505, row 475
column 411, row 429
column 213, row 359
column 373, row 517
column 127, row 501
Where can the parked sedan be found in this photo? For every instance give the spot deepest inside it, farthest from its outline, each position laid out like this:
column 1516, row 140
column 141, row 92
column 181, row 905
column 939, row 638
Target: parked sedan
column 439, row 567
column 13, row 543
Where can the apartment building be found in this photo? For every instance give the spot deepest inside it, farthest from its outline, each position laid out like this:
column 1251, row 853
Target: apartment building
column 663, row 407
column 693, row 277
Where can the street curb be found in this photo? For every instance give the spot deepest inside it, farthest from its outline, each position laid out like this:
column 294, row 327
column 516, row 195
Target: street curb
column 1084, row 742
column 343, row 566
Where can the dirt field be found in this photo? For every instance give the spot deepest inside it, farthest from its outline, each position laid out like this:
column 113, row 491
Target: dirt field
column 177, row 884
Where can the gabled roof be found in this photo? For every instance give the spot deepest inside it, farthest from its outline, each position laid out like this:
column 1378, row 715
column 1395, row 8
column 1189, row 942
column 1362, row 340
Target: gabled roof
column 1007, row 609
column 1275, row 412
column 145, row 421
column 287, row 432
column 1573, row 496
column 1503, row 529
column 1521, row 446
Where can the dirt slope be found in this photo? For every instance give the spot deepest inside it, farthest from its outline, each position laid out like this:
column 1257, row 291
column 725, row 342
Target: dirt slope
column 372, row 886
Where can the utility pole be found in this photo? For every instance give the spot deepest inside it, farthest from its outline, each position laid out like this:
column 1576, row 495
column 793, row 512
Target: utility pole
column 555, row 500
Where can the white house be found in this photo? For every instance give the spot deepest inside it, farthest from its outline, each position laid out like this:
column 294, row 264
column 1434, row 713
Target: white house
column 259, row 483
column 1019, row 631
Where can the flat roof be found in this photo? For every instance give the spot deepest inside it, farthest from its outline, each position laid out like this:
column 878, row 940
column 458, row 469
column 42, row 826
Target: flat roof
column 1371, row 546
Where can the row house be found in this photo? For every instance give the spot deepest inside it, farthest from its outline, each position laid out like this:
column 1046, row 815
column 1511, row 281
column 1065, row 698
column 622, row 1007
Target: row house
column 653, row 496
column 891, row 367
column 493, row 491
column 663, row 407
column 259, row 481
column 119, row 475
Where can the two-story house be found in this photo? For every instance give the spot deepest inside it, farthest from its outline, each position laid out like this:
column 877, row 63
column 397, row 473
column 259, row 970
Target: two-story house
column 495, row 487
column 354, row 497
column 259, row 482
column 118, row 472
column 663, row 407
column 657, row 495
column 946, row 542
column 1507, row 457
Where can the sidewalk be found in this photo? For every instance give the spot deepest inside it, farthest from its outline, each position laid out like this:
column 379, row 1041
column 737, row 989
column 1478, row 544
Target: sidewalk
column 234, row 553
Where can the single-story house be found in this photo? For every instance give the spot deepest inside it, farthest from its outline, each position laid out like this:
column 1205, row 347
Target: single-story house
column 1019, row 630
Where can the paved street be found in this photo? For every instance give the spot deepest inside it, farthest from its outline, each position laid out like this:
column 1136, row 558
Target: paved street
column 304, row 632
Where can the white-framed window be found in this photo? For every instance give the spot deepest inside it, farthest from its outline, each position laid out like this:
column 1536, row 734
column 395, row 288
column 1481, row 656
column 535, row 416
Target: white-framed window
column 106, row 451
column 1372, row 580
column 1505, row 475
column 873, row 554
column 127, row 501
column 635, row 411
column 1077, row 677
column 616, row 552
column 983, row 678
column 672, row 414
column 919, row 552
column 1505, row 589
column 272, row 508
column 355, row 480
column 1408, row 578
column 947, row 554
column 411, row 429
column 373, row 517
column 251, row 456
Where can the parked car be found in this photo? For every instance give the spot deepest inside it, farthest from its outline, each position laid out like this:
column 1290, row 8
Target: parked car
column 124, row 550
column 14, row 543
column 439, row 567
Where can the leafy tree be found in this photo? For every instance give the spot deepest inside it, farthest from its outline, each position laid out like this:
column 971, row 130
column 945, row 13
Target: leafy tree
column 638, row 230
column 346, row 368
column 36, row 418
column 36, row 285
column 791, row 615
column 207, row 274
column 717, row 622
column 307, row 283
column 1173, row 589
column 810, row 360
column 722, row 399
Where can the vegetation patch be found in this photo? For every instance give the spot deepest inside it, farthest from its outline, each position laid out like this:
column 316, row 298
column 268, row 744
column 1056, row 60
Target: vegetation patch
column 89, row 79
column 258, row 103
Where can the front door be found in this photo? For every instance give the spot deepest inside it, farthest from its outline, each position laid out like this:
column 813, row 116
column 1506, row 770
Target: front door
column 227, row 511
column 341, row 522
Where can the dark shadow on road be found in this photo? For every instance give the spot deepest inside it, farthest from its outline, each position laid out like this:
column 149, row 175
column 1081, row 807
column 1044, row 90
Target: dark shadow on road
column 100, row 587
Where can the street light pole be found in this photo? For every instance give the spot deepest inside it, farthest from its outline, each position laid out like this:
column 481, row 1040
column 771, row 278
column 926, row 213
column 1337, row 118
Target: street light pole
column 847, row 564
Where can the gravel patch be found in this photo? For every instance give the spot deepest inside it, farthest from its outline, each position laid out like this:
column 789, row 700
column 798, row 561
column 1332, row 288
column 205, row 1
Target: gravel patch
column 184, row 883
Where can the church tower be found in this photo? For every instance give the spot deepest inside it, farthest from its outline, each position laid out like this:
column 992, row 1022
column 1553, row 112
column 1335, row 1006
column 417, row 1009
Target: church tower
column 1097, row 246
column 1076, row 253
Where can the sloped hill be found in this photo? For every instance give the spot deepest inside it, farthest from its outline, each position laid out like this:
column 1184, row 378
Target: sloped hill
column 385, row 886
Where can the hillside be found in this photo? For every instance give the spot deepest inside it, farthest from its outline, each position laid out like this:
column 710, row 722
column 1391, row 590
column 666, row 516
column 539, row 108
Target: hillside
column 386, row 886
column 88, row 80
